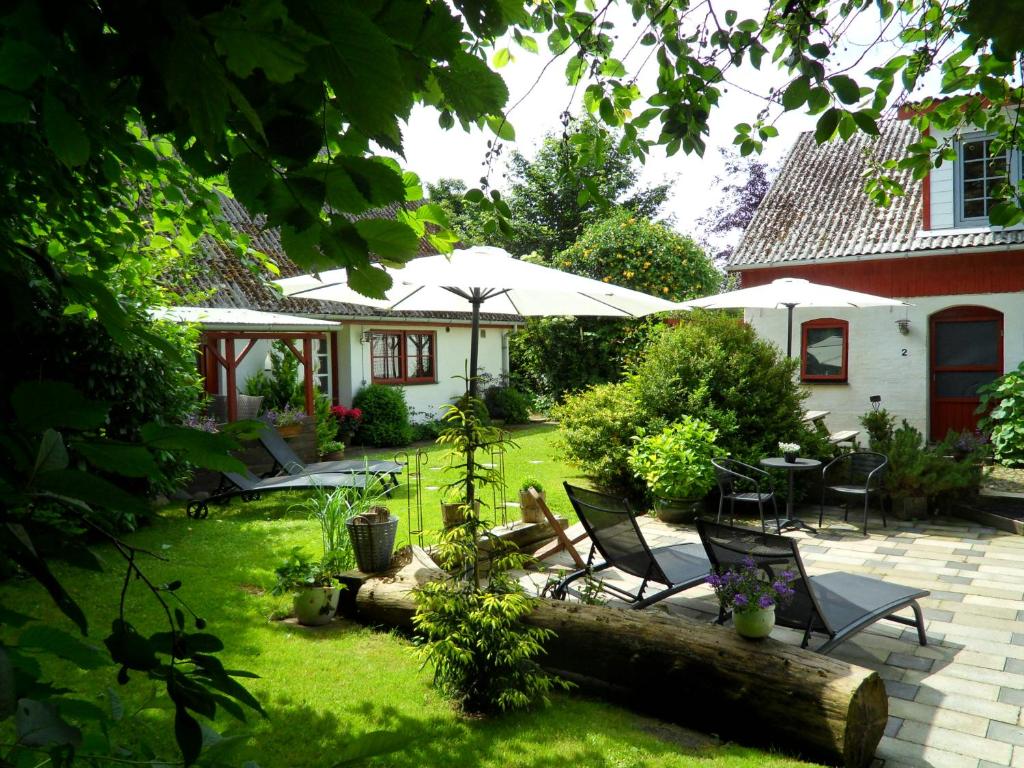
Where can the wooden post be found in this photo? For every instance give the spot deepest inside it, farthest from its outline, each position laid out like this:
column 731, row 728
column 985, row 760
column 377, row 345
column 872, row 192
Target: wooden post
column 232, row 389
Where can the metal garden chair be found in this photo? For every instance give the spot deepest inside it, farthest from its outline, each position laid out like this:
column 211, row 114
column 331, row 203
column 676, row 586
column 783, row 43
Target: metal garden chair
column 857, row 474
column 741, row 482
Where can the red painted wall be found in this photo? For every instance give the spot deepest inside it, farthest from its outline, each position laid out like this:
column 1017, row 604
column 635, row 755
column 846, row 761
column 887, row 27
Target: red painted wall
column 1001, row 272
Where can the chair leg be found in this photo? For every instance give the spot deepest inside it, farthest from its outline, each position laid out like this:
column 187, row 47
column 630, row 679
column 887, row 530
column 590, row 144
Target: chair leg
column 721, row 501
column 821, row 511
column 867, row 497
column 778, row 523
column 732, row 511
column 881, row 506
column 922, row 638
column 760, row 511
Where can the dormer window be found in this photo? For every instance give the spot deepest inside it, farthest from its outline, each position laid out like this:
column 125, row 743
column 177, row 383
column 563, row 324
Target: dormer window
column 981, row 171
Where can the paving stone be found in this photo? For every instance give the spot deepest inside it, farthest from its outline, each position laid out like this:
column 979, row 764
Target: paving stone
column 900, row 752
column 954, row 579
column 1017, row 638
column 1003, row 732
column 1013, row 696
column 892, row 725
column 1014, row 665
column 976, row 725
column 910, row 662
column 901, row 690
column 978, row 747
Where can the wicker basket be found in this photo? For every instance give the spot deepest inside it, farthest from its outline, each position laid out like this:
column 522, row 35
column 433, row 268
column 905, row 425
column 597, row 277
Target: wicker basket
column 373, row 538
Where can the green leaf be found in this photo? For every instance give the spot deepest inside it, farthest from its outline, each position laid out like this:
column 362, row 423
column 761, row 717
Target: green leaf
column 574, row 69
column 501, row 127
column 817, row 99
column 11, row 618
column 846, row 88
column 257, row 34
column 119, row 458
column 613, row 68
column 204, row 449
column 369, row 280
column 20, row 65
column 827, row 125
column 39, row 724
column 35, row 407
column 866, row 122
column 16, row 543
column 63, row 645
column 249, row 176
column 796, row 94
column 356, row 184
column 433, row 213
column 64, row 134
column 388, row 238
column 52, row 454
column 501, row 58
column 86, row 488
column 130, row 649
column 302, row 246
column 471, row 88
column 188, row 735
column 818, row 50
column 14, row 108
column 362, row 66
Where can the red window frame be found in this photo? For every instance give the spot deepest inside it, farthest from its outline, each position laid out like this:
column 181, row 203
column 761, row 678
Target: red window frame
column 403, row 361
column 825, row 322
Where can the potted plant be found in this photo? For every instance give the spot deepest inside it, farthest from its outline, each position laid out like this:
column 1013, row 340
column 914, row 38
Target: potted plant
column 348, row 420
column 528, row 508
column 288, row 420
column 453, row 505
column 751, row 596
column 371, row 526
column 313, row 585
column 333, row 450
column 676, row 465
column 789, row 452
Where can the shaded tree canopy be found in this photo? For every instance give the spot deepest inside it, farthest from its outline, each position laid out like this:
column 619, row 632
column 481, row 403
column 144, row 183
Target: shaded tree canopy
column 741, row 189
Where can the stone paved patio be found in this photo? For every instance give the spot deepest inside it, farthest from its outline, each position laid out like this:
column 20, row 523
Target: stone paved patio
column 958, row 702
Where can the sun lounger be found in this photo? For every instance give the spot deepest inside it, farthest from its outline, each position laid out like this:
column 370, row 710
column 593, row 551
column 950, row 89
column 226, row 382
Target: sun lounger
column 615, row 535
column 249, row 487
column 286, row 460
column 838, row 604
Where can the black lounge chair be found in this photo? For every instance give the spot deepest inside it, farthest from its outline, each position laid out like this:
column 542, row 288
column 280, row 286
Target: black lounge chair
column 249, row 487
column 286, row 460
column 837, row 604
column 611, row 525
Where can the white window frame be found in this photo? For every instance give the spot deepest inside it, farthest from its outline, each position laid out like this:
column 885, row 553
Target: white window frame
column 1013, row 166
column 322, row 378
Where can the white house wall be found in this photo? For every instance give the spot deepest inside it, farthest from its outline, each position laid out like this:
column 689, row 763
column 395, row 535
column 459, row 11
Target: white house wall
column 452, row 356
column 884, row 362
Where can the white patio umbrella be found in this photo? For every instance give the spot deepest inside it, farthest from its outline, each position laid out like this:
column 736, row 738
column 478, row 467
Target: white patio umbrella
column 790, row 292
column 465, row 280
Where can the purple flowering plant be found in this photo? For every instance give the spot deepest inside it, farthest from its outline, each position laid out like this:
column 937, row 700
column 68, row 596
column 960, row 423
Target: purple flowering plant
column 285, row 417
column 748, row 588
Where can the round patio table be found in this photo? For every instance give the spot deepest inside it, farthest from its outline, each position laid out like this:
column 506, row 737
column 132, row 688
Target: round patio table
column 800, row 465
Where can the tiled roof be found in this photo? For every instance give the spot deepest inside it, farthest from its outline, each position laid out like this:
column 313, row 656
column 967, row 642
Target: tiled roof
column 235, row 285
column 816, row 209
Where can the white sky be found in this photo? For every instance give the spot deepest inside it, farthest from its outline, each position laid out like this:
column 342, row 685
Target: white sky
column 434, row 153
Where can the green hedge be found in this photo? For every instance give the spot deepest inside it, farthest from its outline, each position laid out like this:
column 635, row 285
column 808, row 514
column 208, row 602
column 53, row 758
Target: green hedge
column 385, row 420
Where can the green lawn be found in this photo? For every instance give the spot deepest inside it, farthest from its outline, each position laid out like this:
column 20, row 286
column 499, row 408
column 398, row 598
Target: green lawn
column 322, row 688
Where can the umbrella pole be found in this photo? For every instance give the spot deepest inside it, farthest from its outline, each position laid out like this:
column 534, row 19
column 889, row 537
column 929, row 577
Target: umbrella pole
column 789, row 330
column 475, row 300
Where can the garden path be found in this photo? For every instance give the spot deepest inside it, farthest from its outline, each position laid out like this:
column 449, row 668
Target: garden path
column 956, row 703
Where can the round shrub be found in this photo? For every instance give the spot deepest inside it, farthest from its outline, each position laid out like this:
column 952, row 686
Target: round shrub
column 710, row 367
column 1003, row 403
column 385, row 416
column 508, row 403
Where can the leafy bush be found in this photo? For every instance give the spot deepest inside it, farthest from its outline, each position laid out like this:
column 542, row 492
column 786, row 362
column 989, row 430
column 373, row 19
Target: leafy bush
column 710, row 367
column 326, row 424
column 508, row 403
column 676, row 462
column 596, row 430
column 1005, row 421
column 283, row 387
column 879, row 425
column 385, row 419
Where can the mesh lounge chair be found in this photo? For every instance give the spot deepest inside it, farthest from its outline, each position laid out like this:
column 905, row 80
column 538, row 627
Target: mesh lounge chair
column 864, row 475
column 287, row 460
column 615, row 535
column 741, row 482
column 837, row 604
column 249, row 487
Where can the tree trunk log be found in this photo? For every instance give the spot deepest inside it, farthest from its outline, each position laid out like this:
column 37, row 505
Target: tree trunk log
column 763, row 693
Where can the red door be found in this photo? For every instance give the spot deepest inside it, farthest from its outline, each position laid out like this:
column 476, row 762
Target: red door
column 966, row 352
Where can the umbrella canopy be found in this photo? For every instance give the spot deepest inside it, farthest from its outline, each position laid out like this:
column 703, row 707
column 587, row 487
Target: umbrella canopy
column 790, row 292
column 466, row 279
column 508, row 285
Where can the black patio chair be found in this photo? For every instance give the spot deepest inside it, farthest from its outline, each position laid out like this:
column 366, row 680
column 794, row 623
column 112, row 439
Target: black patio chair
column 614, row 534
column 287, row 460
column 248, row 487
column 741, row 482
column 837, row 604
column 860, row 473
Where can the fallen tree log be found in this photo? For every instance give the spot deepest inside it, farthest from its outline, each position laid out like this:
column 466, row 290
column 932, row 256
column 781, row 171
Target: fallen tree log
column 764, row 693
